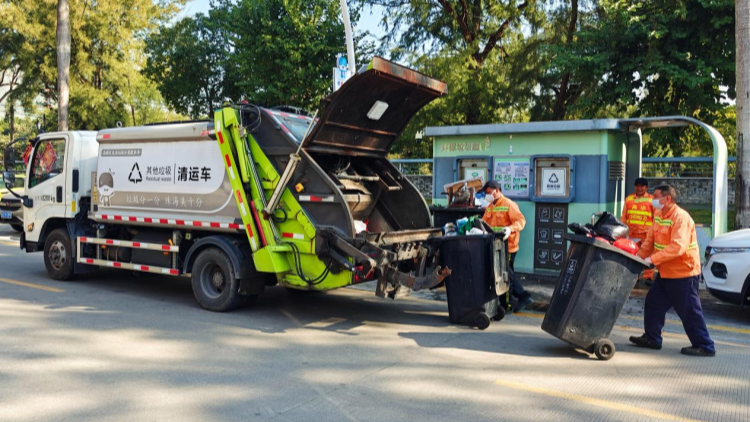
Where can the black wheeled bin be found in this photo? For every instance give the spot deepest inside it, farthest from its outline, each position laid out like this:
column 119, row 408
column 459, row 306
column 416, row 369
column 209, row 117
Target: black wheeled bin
column 592, row 289
column 478, row 277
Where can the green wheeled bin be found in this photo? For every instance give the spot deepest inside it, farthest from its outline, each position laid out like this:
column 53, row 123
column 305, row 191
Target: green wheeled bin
column 594, row 285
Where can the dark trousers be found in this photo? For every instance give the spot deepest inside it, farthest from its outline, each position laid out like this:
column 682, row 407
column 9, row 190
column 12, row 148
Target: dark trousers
column 515, row 285
column 682, row 294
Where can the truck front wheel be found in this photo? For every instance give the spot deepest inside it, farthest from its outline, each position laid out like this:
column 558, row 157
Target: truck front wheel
column 58, row 255
column 215, row 285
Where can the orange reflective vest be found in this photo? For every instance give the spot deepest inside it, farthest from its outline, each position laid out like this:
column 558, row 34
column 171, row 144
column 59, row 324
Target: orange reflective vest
column 672, row 244
column 505, row 213
column 638, row 214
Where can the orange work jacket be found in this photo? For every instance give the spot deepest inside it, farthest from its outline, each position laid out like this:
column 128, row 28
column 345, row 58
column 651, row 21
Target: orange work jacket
column 638, row 214
column 672, row 244
column 505, row 213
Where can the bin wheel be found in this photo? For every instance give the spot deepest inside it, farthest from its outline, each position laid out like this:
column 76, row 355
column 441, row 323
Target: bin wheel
column 604, row 349
column 500, row 314
column 482, row 321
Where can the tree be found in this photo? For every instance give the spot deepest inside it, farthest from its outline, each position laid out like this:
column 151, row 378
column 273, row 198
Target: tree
column 284, row 50
column 106, row 53
column 665, row 57
column 189, row 61
column 466, row 37
column 63, row 63
column 742, row 191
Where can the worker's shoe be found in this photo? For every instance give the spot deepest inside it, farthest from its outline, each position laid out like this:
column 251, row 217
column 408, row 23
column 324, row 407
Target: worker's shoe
column 644, row 341
column 523, row 304
column 697, row 351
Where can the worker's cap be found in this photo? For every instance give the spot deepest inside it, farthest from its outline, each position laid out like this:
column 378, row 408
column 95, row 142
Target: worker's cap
column 491, row 184
column 641, row 182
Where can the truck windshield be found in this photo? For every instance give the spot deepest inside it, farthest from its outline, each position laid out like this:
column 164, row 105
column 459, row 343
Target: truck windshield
column 49, row 157
column 297, row 125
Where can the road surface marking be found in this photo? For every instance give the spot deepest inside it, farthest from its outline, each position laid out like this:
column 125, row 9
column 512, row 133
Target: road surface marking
column 593, row 401
column 710, row 326
column 31, row 285
column 680, row 336
column 324, row 323
column 529, row 315
column 665, row 334
column 669, row 321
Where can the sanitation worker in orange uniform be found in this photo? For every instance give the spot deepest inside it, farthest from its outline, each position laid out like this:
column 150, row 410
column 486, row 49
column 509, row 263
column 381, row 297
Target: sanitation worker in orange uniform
column 638, row 215
column 672, row 246
column 504, row 216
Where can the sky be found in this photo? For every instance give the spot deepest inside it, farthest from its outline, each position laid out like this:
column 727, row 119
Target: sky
column 367, row 22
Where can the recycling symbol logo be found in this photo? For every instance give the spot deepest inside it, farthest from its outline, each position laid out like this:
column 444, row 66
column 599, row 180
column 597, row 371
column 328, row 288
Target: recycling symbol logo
column 553, row 178
column 135, row 174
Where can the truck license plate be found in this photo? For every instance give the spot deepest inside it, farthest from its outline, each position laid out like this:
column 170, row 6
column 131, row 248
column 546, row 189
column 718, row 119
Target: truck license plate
column 6, row 215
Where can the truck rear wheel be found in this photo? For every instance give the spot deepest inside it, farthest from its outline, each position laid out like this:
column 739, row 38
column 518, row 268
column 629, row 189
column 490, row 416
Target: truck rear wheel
column 215, row 285
column 58, row 255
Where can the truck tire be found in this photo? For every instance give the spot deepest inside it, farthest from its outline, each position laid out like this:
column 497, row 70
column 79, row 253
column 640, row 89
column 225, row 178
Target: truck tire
column 215, row 285
column 17, row 227
column 58, row 255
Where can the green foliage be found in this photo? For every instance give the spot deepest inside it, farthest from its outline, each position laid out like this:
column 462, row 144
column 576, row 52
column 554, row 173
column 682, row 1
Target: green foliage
column 190, row 62
column 284, row 50
column 666, row 57
column 469, row 45
column 106, row 85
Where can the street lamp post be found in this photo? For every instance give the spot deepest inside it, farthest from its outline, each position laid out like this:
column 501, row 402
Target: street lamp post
column 349, row 39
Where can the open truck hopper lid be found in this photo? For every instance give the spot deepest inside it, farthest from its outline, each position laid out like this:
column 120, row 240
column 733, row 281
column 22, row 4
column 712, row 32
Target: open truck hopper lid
column 368, row 113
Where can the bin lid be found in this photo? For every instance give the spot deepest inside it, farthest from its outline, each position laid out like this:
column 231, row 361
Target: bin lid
column 602, row 245
column 369, row 112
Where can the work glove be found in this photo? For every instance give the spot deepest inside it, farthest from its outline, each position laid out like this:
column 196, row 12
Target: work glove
column 506, row 233
column 648, row 261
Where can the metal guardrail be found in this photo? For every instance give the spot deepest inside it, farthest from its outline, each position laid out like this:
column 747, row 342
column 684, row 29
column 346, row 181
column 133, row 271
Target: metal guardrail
column 413, row 166
column 683, row 167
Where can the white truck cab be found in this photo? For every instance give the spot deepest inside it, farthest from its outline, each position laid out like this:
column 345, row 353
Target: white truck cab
column 57, row 177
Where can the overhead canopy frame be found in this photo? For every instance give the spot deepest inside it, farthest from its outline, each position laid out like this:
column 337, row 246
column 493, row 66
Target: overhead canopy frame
column 720, row 202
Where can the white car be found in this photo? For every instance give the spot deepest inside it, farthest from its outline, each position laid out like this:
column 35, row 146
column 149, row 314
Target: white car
column 727, row 268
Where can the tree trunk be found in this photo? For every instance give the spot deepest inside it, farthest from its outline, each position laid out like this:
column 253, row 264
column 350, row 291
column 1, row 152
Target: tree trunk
column 742, row 37
column 11, row 118
column 561, row 106
column 63, row 63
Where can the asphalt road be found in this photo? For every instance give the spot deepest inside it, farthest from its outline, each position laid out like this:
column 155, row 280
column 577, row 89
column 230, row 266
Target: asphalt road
column 114, row 346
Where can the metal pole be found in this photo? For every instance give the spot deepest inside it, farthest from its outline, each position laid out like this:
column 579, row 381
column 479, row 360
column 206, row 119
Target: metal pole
column 349, row 39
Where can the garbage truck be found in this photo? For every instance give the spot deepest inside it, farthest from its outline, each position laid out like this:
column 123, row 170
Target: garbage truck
column 254, row 198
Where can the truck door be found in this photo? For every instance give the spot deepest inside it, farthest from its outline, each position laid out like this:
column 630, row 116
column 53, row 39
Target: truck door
column 45, row 184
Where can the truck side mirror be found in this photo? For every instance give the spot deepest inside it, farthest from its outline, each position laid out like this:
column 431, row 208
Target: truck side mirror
column 8, row 176
column 9, row 158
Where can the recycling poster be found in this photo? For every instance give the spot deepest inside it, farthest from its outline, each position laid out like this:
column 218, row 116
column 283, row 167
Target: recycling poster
column 513, row 174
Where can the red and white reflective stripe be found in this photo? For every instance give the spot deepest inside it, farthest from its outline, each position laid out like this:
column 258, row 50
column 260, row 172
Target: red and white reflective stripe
column 129, row 266
column 221, row 137
column 229, row 166
column 315, row 198
column 293, row 236
column 241, row 203
column 250, row 235
column 173, row 222
column 128, row 244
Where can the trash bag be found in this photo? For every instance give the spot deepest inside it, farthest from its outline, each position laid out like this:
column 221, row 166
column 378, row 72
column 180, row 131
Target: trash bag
column 577, row 228
column 482, row 225
column 608, row 227
column 626, row 245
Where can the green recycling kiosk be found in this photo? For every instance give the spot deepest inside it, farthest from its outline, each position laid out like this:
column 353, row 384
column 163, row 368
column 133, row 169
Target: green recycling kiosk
column 557, row 172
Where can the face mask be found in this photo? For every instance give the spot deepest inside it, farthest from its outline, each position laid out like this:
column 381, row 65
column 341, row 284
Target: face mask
column 658, row 205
